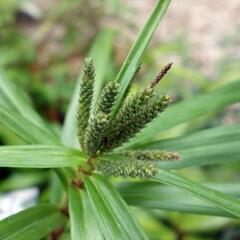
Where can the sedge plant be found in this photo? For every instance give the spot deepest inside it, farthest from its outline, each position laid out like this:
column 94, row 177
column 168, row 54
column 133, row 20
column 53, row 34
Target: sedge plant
column 110, row 132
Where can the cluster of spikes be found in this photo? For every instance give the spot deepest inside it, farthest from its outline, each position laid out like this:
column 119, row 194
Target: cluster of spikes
column 98, row 133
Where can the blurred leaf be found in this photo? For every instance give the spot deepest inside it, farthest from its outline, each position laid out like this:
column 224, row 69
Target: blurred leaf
column 216, row 198
column 82, row 219
column 137, row 50
column 189, row 109
column 101, row 59
column 112, row 213
column 23, row 180
column 14, row 99
column 57, row 190
column 205, row 155
column 100, row 52
column 39, row 156
column 31, row 224
column 27, row 130
column 150, row 194
column 206, row 137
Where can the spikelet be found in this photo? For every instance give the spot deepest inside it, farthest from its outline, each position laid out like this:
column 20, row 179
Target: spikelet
column 99, row 121
column 132, row 105
column 94, row 132
column 85, row 99
column 127, row 168
column 133, row 117
column 150, row 155
column 107, row 97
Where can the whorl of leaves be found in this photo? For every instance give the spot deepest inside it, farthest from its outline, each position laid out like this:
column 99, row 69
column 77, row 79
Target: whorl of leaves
column 85, row 99
column 98, row 134
column 127, row 168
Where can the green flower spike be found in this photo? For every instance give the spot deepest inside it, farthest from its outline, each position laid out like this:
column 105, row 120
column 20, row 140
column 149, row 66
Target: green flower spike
column 99, row 121
column 127, row 168
column 136, row 112
column 93, row 134
column 85, row 99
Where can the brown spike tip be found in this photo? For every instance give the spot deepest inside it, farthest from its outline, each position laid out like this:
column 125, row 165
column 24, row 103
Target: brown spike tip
column 161, row 75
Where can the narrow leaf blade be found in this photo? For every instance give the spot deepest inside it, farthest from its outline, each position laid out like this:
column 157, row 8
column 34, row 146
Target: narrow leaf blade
column 39, row 156
column 113, row 214
column 82, row 219
column 216, row 198
column 136, row 52
column 27, row 130
column 206, row 137
column 16, row 100
column 13, row 99
column 150, row 194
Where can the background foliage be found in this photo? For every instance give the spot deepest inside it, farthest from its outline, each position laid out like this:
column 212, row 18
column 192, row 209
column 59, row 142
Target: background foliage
column 42, row 52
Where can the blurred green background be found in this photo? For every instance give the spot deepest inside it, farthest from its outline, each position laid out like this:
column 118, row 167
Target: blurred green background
column 42, row 47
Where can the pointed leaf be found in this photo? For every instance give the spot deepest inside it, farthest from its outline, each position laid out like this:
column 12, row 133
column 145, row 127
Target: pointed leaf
column 214, row 197
column 206, row 137
column 137, row 50
column 27, row 130
column 32, row 224
column 150, row 194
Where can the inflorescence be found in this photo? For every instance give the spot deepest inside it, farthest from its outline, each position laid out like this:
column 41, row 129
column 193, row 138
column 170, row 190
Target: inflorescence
column 98, row 134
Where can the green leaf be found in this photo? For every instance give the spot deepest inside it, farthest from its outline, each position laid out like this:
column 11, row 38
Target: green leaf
column 206, row 137
column 100, row 52
column 57, row 189
column 150, row 194
column 112, row 213
column 32, row 224
column 39, row 156
column 214, row 197
column 82, row 219
column 189, row 109
column 206, row 155
column 137, row 50
column 27, row 130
